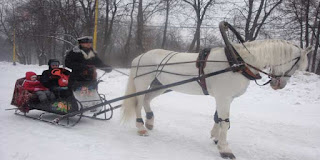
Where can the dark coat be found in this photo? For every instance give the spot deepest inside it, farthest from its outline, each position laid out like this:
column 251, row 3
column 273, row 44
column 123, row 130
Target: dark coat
column 51, row 81
column 80, row 61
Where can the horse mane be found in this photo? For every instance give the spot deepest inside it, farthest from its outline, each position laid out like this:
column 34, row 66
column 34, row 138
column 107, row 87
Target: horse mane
column 268, row 53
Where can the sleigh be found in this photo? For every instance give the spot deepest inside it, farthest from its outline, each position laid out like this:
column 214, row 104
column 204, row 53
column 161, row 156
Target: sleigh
column 82, row 95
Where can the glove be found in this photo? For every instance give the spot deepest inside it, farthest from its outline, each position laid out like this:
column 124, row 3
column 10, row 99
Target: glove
column 54, row 77
column 85, row 70
column 107, row 69
column 40, row 89
column 37, row 89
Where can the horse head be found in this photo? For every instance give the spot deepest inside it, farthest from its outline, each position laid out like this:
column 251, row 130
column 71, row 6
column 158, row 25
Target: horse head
column 281, row 78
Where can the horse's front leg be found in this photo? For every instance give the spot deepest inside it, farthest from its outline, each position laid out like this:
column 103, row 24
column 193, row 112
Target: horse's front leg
column 215, row 132
column 220, row 129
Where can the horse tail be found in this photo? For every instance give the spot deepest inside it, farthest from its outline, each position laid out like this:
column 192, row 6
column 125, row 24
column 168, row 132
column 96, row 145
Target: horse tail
column 129, row 104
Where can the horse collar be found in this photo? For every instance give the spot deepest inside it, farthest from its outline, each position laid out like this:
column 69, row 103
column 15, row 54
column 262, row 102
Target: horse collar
column 235, row 59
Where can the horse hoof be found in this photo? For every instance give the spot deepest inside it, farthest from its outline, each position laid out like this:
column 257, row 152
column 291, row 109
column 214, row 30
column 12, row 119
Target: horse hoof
column 227, row 156
column 215, row 141
column 143, row 133
column 149, row 126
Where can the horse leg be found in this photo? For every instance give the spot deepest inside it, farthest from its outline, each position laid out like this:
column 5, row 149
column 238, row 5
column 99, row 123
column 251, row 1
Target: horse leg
column 223, row 112
column 149, row 114
column 215, row 132
column 142, row 131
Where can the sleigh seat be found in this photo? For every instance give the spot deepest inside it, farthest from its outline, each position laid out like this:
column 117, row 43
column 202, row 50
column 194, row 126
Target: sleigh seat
column 22, row 98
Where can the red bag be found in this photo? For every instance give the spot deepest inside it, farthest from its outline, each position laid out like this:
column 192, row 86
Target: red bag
column 63, row 79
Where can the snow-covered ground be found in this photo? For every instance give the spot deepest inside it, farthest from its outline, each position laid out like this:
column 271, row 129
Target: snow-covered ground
column 265, row 125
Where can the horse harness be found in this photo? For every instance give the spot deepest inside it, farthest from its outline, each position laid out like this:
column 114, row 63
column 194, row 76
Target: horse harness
column 201, row 64
column 236, row 59
column 233, row 60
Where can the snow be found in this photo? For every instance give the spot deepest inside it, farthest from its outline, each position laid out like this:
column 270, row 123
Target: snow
column 265, row 124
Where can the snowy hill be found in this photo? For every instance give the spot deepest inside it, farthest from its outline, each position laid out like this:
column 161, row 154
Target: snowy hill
column 265, row 125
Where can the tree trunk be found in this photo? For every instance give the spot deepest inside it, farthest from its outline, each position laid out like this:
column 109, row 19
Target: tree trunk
column 127, row 45
column 198, row 37
column 108, row 28
column 253, row 26
column 164, row 38
column 200, row 8
column 314, row 58
column 140, row 29
column 246, row 30
column 301, row 34
column 318, row 69
column 307, row 24
column 88, row 11
column 193, row 41
column 315, row 23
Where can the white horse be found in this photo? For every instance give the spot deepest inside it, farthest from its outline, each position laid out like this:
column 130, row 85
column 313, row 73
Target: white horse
column 282, row 57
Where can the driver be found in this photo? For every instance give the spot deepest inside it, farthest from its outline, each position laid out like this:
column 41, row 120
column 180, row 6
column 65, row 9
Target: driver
column 82, row 59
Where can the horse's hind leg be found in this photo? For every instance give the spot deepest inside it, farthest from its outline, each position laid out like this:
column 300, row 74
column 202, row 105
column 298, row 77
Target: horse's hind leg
column 147, row 108
column 146, row 103
column 142, row 131
column 144, row 100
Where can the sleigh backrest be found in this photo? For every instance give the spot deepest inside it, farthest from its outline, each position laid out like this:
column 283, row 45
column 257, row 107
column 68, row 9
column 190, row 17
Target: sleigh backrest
column 21, row 97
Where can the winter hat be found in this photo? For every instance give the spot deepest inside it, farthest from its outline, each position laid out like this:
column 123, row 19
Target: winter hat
column 85, row 39
column 53, row 62
column 29, row 75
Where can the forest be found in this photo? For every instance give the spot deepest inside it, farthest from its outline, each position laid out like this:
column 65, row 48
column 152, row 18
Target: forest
column 41, row 30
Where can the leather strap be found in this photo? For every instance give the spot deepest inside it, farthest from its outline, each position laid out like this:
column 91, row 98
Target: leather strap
column 201, row 64
column 244, row 70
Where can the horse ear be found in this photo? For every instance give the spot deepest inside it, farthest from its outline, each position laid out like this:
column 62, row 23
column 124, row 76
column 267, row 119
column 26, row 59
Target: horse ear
column 307, row 50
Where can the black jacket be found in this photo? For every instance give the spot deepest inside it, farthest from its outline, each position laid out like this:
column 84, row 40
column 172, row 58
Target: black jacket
column 51, row 81
column 79, row 61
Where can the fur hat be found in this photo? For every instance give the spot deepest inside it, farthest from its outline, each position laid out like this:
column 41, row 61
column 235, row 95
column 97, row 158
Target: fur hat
column 85, row 39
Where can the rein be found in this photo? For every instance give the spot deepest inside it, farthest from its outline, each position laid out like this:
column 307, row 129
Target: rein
column 185, row 62
column 161, row 66
column 276, row 76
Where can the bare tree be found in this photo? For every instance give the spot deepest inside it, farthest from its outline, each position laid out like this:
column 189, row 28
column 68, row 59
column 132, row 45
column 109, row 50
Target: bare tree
column 200, row 7
column 316, row 35
column 140, row 23
column 128, row 41
column 302, row 13
column 164, row 38
column 315, row 52
column 110, row 11
column 88, row 12
column 256, row 18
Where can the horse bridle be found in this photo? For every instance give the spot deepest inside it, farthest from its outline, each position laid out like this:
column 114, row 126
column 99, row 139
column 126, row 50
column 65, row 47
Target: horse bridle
column 286, row 74
column 273, row 76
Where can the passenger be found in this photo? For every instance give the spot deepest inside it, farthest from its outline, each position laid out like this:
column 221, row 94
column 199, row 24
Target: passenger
column 51, row 80
column 34, row 86
column 83, row 60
